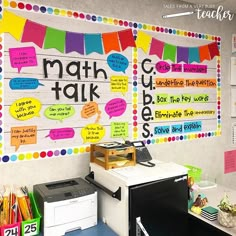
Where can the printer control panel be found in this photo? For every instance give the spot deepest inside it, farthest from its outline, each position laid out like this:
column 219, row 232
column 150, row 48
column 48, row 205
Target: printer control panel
column 78, row 193
column 85, row 191
column 63, row 190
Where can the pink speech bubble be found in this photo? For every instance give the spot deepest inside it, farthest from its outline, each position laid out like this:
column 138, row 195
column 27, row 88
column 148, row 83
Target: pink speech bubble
column 162, row 67
column 62, row 133
column 23, row 57
column 115, row 107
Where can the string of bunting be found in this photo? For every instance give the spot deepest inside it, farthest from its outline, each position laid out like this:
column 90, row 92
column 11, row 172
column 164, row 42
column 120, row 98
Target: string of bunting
column 25, row 30
column 175, row 53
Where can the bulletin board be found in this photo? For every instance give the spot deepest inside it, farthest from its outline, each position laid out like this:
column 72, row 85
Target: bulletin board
column 70, row 78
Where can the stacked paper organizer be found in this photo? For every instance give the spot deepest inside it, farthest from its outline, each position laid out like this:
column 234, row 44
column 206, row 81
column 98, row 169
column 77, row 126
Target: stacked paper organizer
column 209, row 213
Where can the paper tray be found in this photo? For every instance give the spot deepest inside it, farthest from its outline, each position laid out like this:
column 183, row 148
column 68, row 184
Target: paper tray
column 205, row 184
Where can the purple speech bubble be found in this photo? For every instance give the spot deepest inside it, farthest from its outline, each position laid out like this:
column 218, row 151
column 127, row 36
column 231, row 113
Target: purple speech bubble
column 115, row 107
column 62, row 133
column 23, row 57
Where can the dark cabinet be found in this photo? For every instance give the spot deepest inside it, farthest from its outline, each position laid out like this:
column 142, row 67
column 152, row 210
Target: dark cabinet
column 198, row 227
column 161, row 205
column 157, row 197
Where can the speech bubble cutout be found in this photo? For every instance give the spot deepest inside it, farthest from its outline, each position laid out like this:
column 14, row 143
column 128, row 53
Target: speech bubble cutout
column 119, row 129
column 92, row 133
column 62, row 133
column 119, row 84
column 90, row 109
column 23, row 135
column 59, row 112
column 23, row 57
column 24, row 83
column 25, row 108
column 115, row 107
column 117, row 62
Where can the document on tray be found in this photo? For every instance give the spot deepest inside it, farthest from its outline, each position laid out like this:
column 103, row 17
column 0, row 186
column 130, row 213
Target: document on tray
column 129, row 171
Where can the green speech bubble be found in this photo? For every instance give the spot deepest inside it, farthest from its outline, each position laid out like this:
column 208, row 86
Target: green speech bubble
column 119, row 129
column 59, row 112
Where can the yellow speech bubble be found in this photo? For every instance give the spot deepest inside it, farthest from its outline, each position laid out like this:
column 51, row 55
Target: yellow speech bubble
column 90, row 109
column 119, row 83
column 92, row 133
column 25, row 108
column 23, row 135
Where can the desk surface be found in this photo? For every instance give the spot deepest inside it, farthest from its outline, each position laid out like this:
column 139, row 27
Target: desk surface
column 100, row 229
column 214, row 195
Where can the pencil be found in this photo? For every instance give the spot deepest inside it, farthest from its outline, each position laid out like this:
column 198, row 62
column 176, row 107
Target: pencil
column 22, row 203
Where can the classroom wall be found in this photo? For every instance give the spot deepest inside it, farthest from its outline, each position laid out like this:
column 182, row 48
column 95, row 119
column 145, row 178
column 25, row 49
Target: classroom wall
column 207, row 153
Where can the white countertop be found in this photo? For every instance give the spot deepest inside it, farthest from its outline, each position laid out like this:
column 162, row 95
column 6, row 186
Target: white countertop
column 137, row 174
column 214, row 195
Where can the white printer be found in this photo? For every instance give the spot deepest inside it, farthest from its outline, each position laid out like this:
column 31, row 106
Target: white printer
column 66, row 205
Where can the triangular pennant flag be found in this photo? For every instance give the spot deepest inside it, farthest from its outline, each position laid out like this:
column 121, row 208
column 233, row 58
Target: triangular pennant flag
column 93, row 43
column 204, row 53
column 193, row 55
column 110, row 42
column 34, row 32
column 182, row 54
column 126, row 39
column 143, row 41
column 169, row 52
column 55, row 38
column 12, row 24
column 213, row 49
column 156, row 48
column 75, row 42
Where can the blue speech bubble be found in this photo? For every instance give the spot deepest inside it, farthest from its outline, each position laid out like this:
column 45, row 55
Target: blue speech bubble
column 24, row 83
column 117, row 62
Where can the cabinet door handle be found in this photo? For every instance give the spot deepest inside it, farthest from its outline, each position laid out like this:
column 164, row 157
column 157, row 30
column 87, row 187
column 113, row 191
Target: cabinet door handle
column 180, row 179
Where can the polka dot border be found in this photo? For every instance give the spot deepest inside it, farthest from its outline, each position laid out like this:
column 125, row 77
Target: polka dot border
column 1, row 97
column 134, row 25
column 182, row 137
column 45, row 154
column 106, row 20
column 135, row 90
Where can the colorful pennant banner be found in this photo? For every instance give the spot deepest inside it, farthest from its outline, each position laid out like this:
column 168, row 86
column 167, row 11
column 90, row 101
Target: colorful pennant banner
column 55, row 38
column 34, row 32
column 166, row 51
column 12, row 24
column 126, row 39
column 75, row 42
column 156, row 48
column 143, row 41
column 46, row 37
column 110, row 42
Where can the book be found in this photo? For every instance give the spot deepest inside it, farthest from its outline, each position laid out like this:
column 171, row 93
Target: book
column 209, row 213
column 211, row 219
column 210, row 210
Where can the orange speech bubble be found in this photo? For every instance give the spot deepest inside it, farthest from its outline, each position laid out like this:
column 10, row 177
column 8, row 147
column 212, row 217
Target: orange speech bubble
column 90, row 109
column 23, row 135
